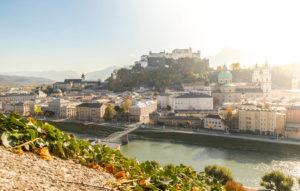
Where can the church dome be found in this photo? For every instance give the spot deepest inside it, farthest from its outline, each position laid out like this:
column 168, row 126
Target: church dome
column 57, row 91
column 225, row 74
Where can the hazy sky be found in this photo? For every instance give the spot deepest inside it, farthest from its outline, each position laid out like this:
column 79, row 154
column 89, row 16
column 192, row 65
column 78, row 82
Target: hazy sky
column 87, row 35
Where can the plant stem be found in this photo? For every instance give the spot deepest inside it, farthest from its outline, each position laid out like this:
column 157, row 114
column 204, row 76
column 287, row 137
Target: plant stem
column 24, row 143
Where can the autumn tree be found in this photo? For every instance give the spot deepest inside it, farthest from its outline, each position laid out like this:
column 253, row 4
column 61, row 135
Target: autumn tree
column 227, row 116
column 110, row 113
column 188, row 123
column 234, row 186
column 235, row 66
column 126, row 105
column 219, row 68
column 277, row 181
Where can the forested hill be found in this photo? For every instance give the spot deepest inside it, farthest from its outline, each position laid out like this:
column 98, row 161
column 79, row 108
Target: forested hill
column 175, row 72
column 187, row 69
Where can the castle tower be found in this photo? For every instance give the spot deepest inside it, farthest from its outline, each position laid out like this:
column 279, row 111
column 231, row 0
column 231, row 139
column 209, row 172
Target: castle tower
column 294, row 82
column 266, row 82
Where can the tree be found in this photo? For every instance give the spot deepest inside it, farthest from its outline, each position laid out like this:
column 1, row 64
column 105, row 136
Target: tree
column 235, row 66
column 234, row 186
column 228, row 117
column 150, row 122
column 126, row 105
column 277, row 181
column 222, row 174
column 169, row 108
column 219, row 68
column 188, row 123
column 110, row 113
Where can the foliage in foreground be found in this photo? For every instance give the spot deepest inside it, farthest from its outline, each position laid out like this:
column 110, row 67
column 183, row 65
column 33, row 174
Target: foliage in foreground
column 220, row 173
column 234, row 186
column 277, row 181
column 20, row 134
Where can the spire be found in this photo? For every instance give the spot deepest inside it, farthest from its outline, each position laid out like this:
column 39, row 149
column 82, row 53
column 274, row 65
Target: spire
column 266, row 64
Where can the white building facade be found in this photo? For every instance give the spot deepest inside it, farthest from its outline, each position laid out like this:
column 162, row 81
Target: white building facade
column 193, row 102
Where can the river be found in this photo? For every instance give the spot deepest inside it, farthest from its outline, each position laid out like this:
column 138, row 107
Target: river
column 247, row 161
column 247, row 167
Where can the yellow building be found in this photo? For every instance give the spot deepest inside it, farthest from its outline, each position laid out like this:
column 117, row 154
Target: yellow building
column 261, row 121
column 91, row 111
column 141, row 110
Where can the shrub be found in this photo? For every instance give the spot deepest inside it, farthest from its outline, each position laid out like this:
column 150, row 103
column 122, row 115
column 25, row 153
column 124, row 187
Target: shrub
column 277, row 181
column 220, row 173
column 234, row 186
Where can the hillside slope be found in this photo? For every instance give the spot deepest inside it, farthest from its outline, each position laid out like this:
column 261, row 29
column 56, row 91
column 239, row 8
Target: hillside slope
column 29, row 172
column 6, row 80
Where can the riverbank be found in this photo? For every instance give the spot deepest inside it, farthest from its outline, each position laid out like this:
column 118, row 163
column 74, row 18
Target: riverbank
column 214, row 140
column 29, row 172
column 187, row 136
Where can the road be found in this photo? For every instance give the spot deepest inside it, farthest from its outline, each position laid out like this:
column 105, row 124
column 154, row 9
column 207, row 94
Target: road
column 221, row 134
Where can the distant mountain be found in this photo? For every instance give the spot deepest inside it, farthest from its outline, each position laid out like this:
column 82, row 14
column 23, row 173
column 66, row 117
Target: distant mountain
column 60, row 76
column 102, row 74
column 52, row 75
column 228, row 56
column 21, row 80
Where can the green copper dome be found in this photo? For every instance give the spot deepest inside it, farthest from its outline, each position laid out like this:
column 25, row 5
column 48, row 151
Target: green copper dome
column 225, row 74
column 56, row 91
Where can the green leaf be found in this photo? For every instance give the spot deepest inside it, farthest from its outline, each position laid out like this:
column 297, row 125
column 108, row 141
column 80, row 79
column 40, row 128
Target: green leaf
column 37, row 109
column 60, row 147
column 27, row 147
column 7, row 140
column 98, row 158
column 32, row 133
column 17, row 122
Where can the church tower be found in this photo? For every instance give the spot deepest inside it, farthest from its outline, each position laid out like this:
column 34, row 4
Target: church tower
column 294, row 82
column 266, row 82
column 256, row 77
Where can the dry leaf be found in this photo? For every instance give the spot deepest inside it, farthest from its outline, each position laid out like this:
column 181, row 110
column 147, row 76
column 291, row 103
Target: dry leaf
column 38, row 151
column 120, row 175
column 109, row 168
column 95, row 165
column 144, row 182
column 18, row 151
column 44, row 154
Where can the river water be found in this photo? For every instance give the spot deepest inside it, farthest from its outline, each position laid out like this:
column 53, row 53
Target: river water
column 247, row 167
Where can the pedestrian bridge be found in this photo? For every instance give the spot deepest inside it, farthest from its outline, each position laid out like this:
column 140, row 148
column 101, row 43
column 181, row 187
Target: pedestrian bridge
column 117, row 135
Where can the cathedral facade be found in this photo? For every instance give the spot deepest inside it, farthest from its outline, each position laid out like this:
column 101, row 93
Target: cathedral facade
column 226, row 91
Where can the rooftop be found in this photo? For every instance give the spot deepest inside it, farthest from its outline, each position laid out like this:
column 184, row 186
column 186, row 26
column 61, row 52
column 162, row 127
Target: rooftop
column 93, row 105
column 213, row 116
column 194, row 96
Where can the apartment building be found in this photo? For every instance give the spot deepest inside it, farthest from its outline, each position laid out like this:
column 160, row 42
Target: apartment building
column 56, row 105
column 141, row 110
column 21, row 108
column 14, row 97
column 91, row 111
column 214, row 122
column 193, row 102
column 293, row 114
column 293, row 122
column 262, row 121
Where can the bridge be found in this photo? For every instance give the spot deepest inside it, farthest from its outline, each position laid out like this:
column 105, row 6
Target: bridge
column 117, row 135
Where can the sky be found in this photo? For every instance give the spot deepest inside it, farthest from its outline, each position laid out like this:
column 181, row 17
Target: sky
column 89, row 35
